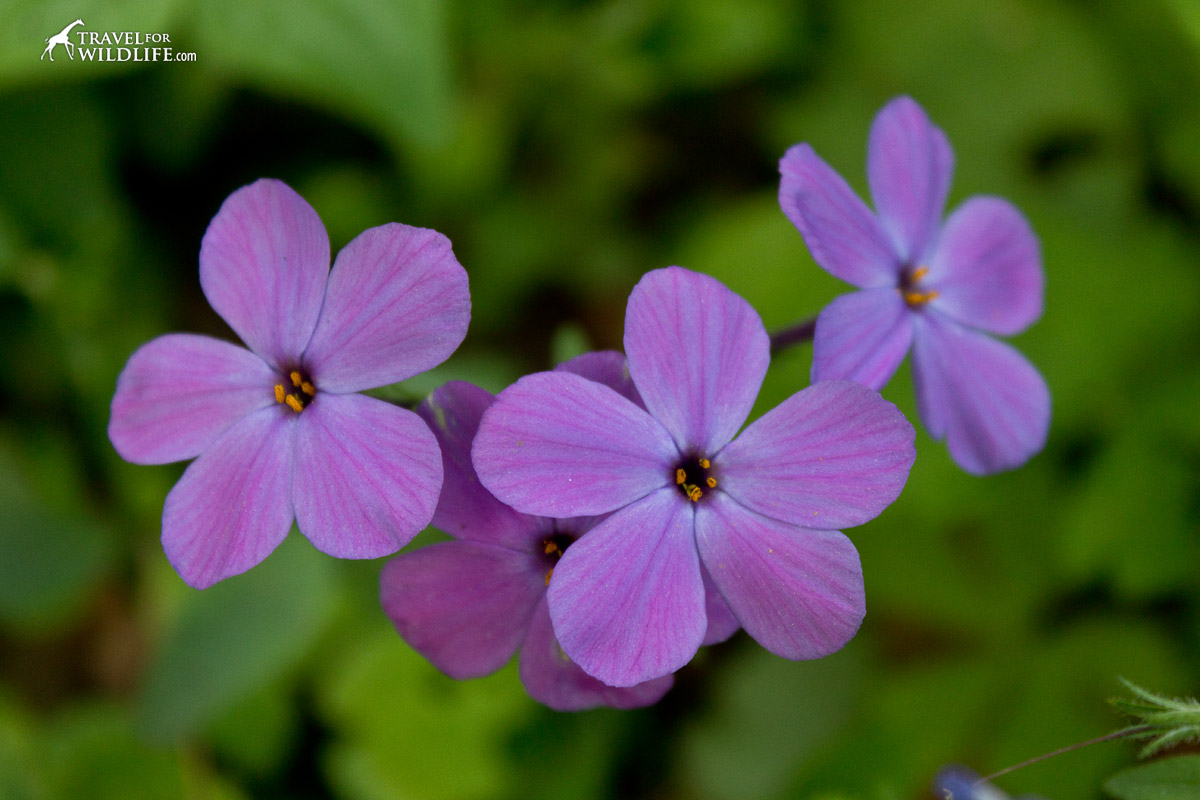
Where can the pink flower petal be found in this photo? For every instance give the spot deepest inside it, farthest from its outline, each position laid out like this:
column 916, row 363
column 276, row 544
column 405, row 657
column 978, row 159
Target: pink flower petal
column 984, row 397
column 465, row 606
column 232, row 506
column 559, row 445
column 397, row 304
column 842, row 234
column 367, row 475
column 697, row 353
column 465, row 509
column 987, row 268
column 627, row 599
column 179, row 392
column 909, row 167
column 831, row 456
column 554, row 680
column 263, row 264
column 721, row 622
column 607, row 367
column 798, row 592
column 862, row 337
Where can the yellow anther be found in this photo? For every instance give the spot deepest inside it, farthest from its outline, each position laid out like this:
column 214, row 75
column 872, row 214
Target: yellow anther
column 293, row 403
column 296, row 378
column 705, row 463
column 548, row 574
column 918, row 273
column 549, row 547
column 279, row 393
column 919, row 298
column 712, row 482
column 680, row 476
column 308, row 389
column 694, row 494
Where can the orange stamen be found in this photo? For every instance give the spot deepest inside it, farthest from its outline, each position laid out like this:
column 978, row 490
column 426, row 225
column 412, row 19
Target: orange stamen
column 918, row 273
column 919, row 298
column 548, row 574
column 279, row 393
column 549, row 547
column 694, row 494
column 296, row 378
column 308, row 389
column 705, row 463
column 293, row 403
column 712, row 482
column 680, row 476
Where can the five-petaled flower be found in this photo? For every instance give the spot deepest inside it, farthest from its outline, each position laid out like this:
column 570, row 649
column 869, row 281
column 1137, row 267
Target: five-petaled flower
column 280, row 430
column 939, row 288
column 468, row 604
column 759, row 512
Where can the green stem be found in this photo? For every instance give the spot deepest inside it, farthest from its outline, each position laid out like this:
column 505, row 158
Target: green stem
column 1121, row 734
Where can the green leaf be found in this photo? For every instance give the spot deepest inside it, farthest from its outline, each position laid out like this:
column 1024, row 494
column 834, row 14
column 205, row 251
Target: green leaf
column 48, row 562
column 22, row 763
column 409, row 731
column 51, row 552
column 257, row 732
column 1171, row 721
column 94, row 752
column 386, row 63
column 762, row 696
column 236, row 637
column 1169, row 779
column 711, row 42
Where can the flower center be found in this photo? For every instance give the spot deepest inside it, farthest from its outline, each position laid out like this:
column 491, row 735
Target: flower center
column 693, row 477
column 553, row 547
column 296, row 392
column 910, row 288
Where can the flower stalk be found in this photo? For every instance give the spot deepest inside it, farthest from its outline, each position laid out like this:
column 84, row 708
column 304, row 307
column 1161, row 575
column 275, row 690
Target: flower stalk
column 793, row 335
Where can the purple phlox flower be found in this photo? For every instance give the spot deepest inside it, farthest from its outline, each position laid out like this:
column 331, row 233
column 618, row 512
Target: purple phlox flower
column 937, row 287
column 278, row 431
column 759, row 513
column 960, row 783
column 467, row 605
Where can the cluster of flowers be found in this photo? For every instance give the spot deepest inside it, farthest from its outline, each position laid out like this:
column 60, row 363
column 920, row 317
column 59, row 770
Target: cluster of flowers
column 608, row 518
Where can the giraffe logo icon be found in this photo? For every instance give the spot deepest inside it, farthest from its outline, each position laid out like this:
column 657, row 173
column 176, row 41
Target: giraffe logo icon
column 62, row 37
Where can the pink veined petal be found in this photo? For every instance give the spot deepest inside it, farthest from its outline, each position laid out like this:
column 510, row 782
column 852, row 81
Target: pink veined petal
column 721, row 622
column 465, row 606
column 909, row 167
column 627, row 600
column 559, row 445
column 233, row 505
column 607, row 367
column 862, row 337
column 554, row 680
column 991, row 405
column 697, row 353
column 987, row 268
column 842, row 234
column 465, row 509
column 397, row 304
column 798, row 592
column 179, row 392
column 367, row 475
column 831, row 456
column 263, row 264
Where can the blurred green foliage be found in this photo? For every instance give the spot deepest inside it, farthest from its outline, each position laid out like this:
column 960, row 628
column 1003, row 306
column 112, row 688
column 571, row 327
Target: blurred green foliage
column 566, row 148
